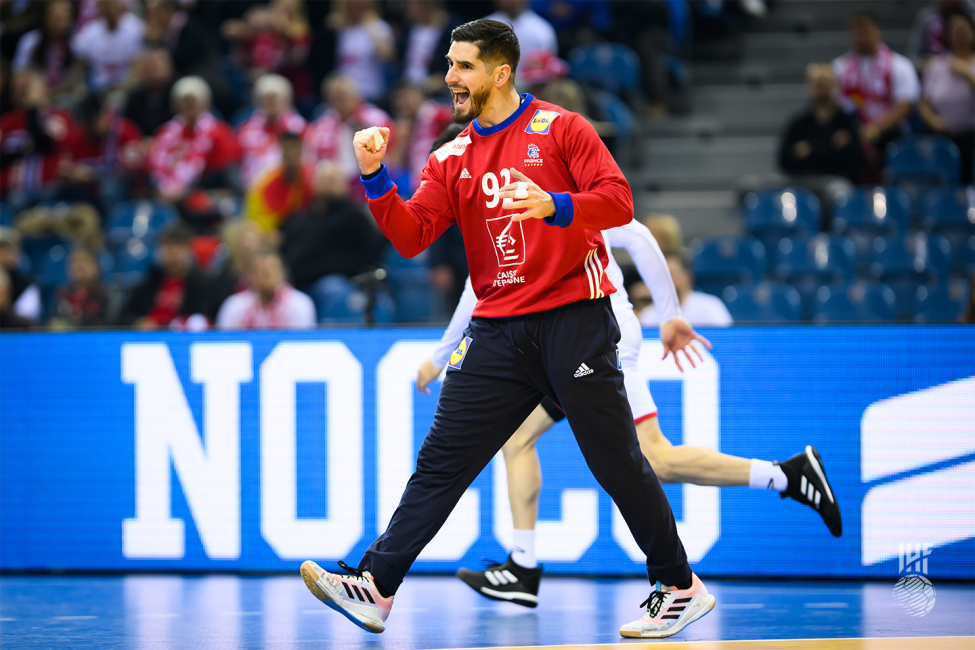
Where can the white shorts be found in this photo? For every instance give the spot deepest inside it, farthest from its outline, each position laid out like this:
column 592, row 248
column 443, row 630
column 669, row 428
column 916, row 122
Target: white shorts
column 631, row 341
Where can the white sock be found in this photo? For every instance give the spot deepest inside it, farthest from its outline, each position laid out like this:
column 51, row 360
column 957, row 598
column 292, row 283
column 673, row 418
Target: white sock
column 766, row 476
column 523, row 551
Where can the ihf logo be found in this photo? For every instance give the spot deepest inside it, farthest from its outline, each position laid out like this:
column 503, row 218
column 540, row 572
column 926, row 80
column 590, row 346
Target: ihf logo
column 914, row 591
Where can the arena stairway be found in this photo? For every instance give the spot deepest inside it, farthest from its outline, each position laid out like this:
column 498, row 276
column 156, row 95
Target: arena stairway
column 739, row 106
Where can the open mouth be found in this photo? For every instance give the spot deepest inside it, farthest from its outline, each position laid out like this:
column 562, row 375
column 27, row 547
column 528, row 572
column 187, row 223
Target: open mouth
column 461, row 98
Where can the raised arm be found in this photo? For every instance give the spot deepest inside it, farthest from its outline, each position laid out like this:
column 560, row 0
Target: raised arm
column 411, row 225
column 650, row 262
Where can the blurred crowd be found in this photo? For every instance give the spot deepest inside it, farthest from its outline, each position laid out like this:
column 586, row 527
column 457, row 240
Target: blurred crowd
column 188, row 163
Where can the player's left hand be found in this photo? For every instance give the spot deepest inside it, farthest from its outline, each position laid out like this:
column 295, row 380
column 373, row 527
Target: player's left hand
column 538, row 203
column 677, row 335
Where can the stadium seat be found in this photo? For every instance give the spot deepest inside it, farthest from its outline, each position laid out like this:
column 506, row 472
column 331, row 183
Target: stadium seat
column 872, row 212
column 772, row 214
column 6, row 215
column 339, row 302
column 612, row 67
column 132, row 260
column 923, row 158
column 766, row 302
column 35, row 251
column 903, row 263
column 808, row 263
column 963, row 258
column 950, row 212
column 866, row 302
column 410, row 280
column 616, row 111
column 142, row 220
column 241, row 115
column 725, row 261
column 943, row 303
column 53, row 267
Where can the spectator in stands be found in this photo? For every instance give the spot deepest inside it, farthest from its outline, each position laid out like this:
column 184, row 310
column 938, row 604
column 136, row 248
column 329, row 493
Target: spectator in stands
column 667, row 231
column 880, row 85
column 23, row 292
column 364, row 44
column 418, row 123
column 149, row 105
column 275, row 115
column 280, row 192
column 929, row 33
column 8, row 317
column 330, row 136
column 331, row 236
column 6, row 94
column 193, row 45
column 241, row 240
column 823, row 140
column 700, row 309
column 424, row 44
column 173, row 291
column 533, row 31
column 84, row 301
column 569, row 95
column 948, row 91
column 194, row 149
column 576, row 22
column 270, row 302
column 48, row 48
column 104, row 152
column 33, row 139
column 109, row 45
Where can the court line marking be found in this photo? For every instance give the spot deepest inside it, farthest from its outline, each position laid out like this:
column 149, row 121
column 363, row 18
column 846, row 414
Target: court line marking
column 622, row 642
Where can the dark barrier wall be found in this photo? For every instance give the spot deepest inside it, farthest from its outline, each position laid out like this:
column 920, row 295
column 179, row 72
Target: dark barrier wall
column 254, row 451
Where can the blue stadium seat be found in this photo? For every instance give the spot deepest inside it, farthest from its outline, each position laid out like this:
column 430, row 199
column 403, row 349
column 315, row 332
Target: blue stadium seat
column 943, row 303
column 53, row 270
column 35, row 250
column 410, row 280
column 866, row 302
column 903, row 263
column 616, row 111
column 963, row 258
column 612, row 67
column 950, row 212
column 772, row 214
column 810, row 262
column 923, row 158
column 725, row 261
column 140, row 219
column 940, row 255
column 132, row 260
column 766, row 302
column 241, row 115
column 339, row 302
column 6, row 215
column 876, row 211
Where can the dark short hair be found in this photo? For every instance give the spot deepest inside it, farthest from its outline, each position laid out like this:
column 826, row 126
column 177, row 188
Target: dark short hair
column 176, row 233
column 448, row 134
column 866, row 14
column 496, row 41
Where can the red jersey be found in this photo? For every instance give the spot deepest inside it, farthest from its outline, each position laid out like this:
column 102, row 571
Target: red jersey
column 118, row 149
column 529, row 266
column 180, row 155
column 32, row 169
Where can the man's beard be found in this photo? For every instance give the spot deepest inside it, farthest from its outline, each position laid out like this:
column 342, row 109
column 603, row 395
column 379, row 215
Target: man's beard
column 475, row 104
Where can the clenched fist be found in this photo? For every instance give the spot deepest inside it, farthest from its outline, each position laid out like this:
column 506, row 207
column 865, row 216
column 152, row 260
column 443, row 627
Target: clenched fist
column 370, row 147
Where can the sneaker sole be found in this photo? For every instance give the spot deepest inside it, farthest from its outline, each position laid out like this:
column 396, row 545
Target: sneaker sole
column 311, row 576
column 812, row 456
column 706, row 607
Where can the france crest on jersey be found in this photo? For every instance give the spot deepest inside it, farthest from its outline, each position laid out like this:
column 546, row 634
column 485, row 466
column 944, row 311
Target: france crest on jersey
column 457, row 358
column 541, row 122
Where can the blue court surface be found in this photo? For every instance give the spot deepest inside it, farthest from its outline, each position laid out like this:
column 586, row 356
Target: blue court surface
column 230, row 611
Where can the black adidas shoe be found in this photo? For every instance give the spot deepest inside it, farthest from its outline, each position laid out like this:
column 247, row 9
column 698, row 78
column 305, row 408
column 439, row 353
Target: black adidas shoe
column 808, row 484
column 507, row 581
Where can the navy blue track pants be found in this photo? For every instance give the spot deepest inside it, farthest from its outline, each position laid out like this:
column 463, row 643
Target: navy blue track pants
column 569, row 355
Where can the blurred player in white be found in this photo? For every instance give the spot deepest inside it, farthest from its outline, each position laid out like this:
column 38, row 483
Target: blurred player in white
column 801, row 477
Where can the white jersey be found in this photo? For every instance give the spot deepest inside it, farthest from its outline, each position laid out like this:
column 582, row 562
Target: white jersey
column 636, row 239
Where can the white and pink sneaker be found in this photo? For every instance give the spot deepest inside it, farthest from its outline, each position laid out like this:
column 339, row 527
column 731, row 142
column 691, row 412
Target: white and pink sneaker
column 354, row 596
column 670, row 610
